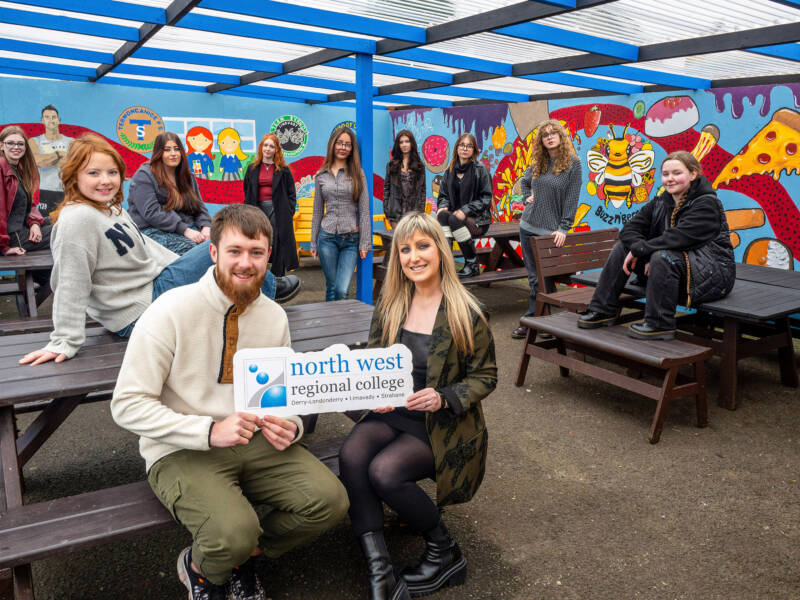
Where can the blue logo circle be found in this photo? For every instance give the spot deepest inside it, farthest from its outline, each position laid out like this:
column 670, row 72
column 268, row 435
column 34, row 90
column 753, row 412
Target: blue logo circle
column 253, row 368
column 262, row 378
column 274, row 396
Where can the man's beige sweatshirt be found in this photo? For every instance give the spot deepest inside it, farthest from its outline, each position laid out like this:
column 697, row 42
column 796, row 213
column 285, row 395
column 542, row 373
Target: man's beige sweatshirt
column 175, row 380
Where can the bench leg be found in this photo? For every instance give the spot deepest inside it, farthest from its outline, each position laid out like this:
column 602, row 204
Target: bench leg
column 562, row 350
column 663, row 405
column 729, row 356
column 523, row 362
column 11, row 494
column 30, row 295
column 44, row 425
column 702, row 403
column 786, row 355
column 309, row 423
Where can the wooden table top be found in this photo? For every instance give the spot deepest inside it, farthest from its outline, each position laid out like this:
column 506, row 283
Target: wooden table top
column 39, row 259
column 96, row 366
column 769, row 275
column 749, row 300
column 497, row 229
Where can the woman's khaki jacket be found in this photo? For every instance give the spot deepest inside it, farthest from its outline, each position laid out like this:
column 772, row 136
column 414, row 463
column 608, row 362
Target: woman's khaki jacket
column 457, row 434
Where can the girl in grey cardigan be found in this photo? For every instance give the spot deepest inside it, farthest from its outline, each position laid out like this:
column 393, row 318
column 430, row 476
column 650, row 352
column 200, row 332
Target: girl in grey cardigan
column 550, row 187
column 164, row 200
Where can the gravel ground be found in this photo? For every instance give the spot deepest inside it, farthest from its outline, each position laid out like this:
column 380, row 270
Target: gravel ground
column 576, row 503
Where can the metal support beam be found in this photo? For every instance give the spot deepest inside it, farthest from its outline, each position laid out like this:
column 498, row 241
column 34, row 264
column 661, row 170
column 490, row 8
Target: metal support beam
column 173, row 13
column 12, row 16
column 91, row 56
column 385, row 68
column 786, row 51
column 651, row 76
column 207, row 60
column 364, row 135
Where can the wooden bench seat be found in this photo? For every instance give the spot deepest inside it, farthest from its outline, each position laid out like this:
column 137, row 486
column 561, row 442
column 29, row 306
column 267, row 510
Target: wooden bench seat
column 36, row 531
column 662, row 358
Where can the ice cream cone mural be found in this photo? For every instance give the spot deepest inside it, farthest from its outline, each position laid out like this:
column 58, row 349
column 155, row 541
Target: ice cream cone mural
column 709, row 136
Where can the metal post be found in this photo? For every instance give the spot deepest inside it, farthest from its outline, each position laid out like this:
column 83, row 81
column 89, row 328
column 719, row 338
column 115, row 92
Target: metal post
column 364, row 135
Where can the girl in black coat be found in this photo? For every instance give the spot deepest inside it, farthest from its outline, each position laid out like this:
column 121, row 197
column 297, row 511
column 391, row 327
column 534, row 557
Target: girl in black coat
column 404, row 184
column 679, row 246
column 269, row 185
column 465, row 199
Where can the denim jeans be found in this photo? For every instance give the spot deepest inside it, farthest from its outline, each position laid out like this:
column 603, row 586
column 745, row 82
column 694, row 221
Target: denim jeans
column 187, row 269
column 530, row 266
column 338, row 255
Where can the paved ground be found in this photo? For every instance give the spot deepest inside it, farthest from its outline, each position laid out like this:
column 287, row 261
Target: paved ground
column 576, row 503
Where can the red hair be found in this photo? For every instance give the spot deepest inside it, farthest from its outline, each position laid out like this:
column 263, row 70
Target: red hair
column 197, row 131
column 278, row 159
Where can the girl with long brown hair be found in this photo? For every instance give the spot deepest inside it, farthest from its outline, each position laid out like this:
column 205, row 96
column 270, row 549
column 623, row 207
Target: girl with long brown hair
column 404, row 184
column 465, row 199
column 424, row 306
column 678, row 245
column 102, row 265
column 269, row 185
column 22, row 227
column 341, row 227
column 164, row 199
column 550, row 187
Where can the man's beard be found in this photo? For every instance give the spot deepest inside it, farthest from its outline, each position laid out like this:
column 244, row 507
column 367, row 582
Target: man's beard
column 241, row 295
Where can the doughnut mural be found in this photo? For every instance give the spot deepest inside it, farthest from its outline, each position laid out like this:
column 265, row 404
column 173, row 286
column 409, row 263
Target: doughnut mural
column 747, row 140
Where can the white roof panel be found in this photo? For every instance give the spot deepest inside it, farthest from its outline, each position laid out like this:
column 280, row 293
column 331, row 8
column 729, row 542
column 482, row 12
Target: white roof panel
column 68, row 13
column 644, row 22
column 725, row 65
column 501, row 48
column 520, row 86
column 69, row 40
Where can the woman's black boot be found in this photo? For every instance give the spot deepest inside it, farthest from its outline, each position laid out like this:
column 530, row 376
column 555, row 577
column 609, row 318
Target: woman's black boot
column 442, row 564
column 471, row 266
column 383, row 583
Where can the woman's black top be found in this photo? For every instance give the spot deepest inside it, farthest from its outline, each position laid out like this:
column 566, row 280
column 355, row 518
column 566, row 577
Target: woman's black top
column 402, row 419
column 20, row 208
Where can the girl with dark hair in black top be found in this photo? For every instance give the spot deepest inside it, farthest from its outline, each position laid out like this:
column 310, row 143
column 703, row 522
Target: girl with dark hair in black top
column 404, row 184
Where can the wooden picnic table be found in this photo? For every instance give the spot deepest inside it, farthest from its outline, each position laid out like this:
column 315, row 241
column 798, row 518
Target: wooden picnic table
column 756, row 308
column 500, row 261
column 23, row 266
column 92, row 373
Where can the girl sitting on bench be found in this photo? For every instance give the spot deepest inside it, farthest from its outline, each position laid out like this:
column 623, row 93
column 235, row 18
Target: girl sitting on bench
column 679, row 246
column 102, row 264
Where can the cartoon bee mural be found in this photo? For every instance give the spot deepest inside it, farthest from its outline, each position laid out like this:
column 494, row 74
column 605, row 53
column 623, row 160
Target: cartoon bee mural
column 619, row 166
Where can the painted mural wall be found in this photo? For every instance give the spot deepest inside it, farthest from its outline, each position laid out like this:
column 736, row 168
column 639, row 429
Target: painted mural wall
column 746, row 139
column 220, row 132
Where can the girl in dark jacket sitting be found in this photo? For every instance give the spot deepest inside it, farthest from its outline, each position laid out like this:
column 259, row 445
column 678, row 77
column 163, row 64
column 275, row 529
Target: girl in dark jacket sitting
column 679, row 246
column 269, row 185
column 404, row 184
column 465, row 199
column 164, row 200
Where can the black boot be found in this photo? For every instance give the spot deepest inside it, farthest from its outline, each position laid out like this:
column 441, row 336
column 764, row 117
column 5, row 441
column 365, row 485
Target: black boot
column 471, row 266
column 383, row 583
column 442, row 564
column 286, row 288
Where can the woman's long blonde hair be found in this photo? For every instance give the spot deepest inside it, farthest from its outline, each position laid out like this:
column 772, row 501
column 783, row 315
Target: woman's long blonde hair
column 540, row 160
column 398, row 290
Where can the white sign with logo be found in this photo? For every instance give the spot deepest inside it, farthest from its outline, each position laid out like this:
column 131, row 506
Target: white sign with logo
column 281, row 382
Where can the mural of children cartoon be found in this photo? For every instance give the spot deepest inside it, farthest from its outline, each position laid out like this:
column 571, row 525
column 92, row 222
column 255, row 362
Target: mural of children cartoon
column 230, row 165
column 199, row 141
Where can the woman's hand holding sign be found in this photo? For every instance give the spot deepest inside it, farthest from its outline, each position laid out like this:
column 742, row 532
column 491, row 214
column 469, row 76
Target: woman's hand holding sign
column 427, row 400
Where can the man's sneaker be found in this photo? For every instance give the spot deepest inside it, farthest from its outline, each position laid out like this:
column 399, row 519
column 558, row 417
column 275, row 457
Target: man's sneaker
column 593, row 320
column 199, row 587
column 244, row 583
column 286, row 288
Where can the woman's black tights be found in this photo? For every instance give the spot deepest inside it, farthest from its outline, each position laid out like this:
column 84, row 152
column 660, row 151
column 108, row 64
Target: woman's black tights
column 454, row 227
column 380, row 463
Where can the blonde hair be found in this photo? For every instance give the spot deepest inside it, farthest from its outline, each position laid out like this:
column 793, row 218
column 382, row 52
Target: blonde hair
column 540, row 159
column 398, row 290
column 230, row 132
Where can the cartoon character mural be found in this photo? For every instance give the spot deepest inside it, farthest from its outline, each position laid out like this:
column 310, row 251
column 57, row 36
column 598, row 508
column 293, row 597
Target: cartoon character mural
column 230, row 146
column 199, row 141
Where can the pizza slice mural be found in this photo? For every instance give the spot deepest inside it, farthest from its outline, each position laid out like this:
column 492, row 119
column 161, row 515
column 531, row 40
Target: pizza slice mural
column 772, row 150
